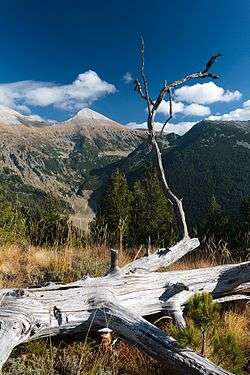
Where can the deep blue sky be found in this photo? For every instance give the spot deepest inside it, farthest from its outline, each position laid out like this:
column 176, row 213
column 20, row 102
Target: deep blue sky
column 54, row 41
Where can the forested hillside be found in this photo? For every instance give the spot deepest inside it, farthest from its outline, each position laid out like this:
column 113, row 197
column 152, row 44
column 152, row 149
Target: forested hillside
column 211, row 159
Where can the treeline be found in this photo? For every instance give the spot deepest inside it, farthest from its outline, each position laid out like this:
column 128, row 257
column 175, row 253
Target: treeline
column 232, row 233
column 38, row 219
column 129, row 216
column 134, row 216
column 140, row 215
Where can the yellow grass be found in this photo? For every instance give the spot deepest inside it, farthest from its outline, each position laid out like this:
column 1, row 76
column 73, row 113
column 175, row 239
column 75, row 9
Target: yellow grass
column 36, row 266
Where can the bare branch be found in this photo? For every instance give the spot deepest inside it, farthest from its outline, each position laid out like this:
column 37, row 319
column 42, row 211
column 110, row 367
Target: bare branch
column 211, row 61
column 162, row 257
column 150, row 102
column 170, row 112
column 138, row 89
column 202, row 74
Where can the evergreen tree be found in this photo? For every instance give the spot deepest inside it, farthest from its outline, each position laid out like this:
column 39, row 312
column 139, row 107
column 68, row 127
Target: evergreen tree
column 204, row 312
column 152, row 215
column 12, row 223
column 240, row 231
column 206, row 328
column 227, row 352
column 245, row 211
column 46, row 221
column 215, row 224
column 115, row 212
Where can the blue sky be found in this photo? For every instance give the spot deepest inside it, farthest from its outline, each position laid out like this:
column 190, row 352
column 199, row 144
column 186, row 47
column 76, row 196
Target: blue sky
column 59, row 56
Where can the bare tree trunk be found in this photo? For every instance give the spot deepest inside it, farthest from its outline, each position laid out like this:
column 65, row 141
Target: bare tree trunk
column 203, row 347
column 177, row 203
column 152, row 108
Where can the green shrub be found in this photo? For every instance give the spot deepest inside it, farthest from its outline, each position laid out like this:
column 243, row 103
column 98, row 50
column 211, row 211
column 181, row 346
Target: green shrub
column 188, row 336
column 227, row 352
column 201, row 333
column 12, row 223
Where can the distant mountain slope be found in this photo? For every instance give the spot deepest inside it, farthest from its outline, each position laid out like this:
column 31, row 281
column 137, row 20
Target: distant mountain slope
column 212, row 158
column 74, row 159
column 11, row 117
column 61, row 158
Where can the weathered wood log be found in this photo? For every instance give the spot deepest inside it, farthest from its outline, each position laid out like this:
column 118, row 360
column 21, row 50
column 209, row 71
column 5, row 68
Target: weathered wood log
column 155, row 343
column 163, row 257
column 125, row 295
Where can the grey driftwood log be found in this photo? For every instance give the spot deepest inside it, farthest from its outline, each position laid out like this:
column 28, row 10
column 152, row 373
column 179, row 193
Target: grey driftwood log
column 122, row 297
column 119, row 300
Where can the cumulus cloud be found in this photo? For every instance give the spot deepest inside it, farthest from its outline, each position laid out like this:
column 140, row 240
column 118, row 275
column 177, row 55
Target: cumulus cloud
column 164, row 107
column 195, row 109
column 179, row 128
column 205, row 93
column 85, row 89
column 239, row 114
column 127, row 77
column 192, row 109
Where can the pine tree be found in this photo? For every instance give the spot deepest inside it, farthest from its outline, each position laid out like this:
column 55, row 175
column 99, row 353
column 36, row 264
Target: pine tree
column 240, row 232
column 152, row 215
column 204, row 312
column 227, row 352
column 206, row 328
column 215, row 224
column 188, row 336
column 245, row 210
column 115, row 210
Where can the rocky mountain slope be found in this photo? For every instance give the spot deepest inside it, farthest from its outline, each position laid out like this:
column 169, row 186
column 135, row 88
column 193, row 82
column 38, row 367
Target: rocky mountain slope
column 62, row 158
column 11, row 117
column 74, row 159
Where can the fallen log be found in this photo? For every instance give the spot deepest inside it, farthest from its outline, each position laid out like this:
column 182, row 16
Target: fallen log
column 123, row 296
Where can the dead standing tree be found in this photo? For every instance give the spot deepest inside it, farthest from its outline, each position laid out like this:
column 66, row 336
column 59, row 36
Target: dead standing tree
column 152, row 107
column 121, row 298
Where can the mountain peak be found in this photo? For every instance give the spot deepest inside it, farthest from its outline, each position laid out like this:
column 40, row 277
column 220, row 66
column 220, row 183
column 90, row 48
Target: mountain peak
column 9, row 116
column 89, row 114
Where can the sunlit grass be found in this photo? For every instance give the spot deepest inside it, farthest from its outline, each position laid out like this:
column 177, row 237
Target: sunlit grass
column 35, row 266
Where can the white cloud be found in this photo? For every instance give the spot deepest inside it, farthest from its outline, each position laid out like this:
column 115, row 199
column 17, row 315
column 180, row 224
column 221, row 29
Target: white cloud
column 164, row 107
column 246, row 104
column 23, row 108
column 38, row 118
column 193, row 109
column 127, row 77
column 179, row 128
column 239, row 114
column 87, row 88
column 205, row 93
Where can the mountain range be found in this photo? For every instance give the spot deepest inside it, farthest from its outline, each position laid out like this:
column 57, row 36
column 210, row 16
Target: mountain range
column 74, row 159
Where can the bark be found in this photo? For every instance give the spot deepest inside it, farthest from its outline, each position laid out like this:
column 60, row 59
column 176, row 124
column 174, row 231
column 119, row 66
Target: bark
column 124, row 295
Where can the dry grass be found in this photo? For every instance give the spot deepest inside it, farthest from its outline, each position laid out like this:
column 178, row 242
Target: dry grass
column 36, row 266
column 78, row 358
